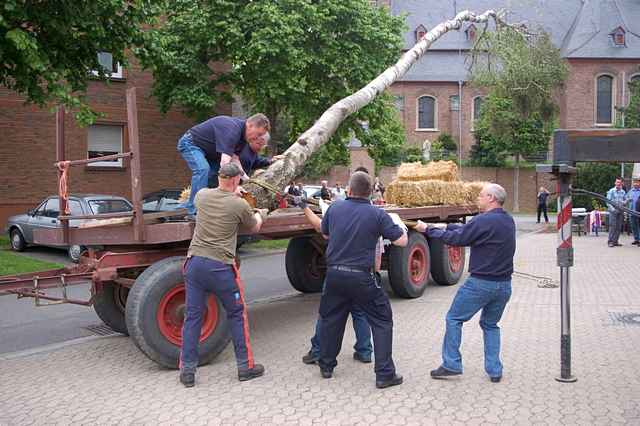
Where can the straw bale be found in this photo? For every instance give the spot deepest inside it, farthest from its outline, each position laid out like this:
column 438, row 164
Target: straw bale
column 432, row 193
column 434, row 170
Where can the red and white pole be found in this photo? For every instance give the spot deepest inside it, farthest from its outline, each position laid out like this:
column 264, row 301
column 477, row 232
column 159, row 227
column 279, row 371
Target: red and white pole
column 565, row 261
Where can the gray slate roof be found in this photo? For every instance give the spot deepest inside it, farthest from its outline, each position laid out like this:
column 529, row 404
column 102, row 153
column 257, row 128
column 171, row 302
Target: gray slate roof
column 580, row 27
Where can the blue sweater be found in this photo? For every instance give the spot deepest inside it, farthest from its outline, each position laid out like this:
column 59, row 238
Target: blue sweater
column 492, row 238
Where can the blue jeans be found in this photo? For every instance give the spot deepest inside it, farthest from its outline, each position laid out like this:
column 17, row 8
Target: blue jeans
column 202, row 169
column 635, row 227
column 362, row 329
column 476, row 294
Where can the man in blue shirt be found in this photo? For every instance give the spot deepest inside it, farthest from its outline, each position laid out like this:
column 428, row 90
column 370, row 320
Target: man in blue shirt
column 616, row 218
column 353, row 227
column 633, row 196
column 492, row 237
column 221, row 140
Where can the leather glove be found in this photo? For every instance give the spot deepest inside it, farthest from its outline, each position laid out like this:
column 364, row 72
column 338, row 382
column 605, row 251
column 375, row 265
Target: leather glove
column 300, row 201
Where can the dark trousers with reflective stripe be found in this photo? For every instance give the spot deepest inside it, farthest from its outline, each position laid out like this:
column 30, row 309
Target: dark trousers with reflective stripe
column 341, row 291
column 204, row 276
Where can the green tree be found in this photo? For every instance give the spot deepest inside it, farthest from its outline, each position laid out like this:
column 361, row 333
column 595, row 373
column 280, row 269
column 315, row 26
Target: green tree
column 522, row 73
column 291, row 59
column 49, row 48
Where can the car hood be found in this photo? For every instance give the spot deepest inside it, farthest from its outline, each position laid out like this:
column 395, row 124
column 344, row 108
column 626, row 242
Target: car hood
column 19, row 218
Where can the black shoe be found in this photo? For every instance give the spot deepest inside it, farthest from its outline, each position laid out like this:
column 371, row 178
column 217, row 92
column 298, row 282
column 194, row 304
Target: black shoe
column 635, row 243
column 441, row 373
column 251, row 373
column 495, row 379
column 394, row 381
column 618, row 245
column 188, row 379
column 362, row 358
column 190, row 218
column 326, row 374
column 310, row 358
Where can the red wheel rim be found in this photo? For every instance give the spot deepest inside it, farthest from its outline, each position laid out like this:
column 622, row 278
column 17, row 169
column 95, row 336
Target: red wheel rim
column 418, row 265
column 171, row 311
column 455, row 258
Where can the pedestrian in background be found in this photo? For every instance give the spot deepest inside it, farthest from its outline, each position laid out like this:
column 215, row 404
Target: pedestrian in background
column 633, row 197
column 542, row 196
column 617, row 196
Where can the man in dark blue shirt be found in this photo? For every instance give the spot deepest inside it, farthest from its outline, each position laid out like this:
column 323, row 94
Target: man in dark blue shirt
column 353, row 227
column 492, row 237
column 221, row 140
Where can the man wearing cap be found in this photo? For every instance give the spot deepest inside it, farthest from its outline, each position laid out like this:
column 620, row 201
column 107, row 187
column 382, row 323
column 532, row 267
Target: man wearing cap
column 210, row 268
column 353, row 227
column 221, row 140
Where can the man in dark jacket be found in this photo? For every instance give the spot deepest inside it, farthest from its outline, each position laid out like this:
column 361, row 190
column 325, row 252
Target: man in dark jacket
column 492, row 237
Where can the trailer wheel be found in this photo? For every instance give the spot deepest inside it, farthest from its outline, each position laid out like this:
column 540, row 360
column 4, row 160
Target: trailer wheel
column 448, row 262
column 110, row 304
column 409, row 267
column 155, row 314
column 306, row 265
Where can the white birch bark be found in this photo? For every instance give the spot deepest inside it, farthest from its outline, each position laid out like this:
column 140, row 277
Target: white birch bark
column 282, row 171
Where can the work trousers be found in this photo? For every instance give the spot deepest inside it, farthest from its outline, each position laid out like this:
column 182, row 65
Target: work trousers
column 343, row 290
column 616, row 220
column 204, row 276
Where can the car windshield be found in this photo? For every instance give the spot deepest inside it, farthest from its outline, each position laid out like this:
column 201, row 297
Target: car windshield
column 109, row 206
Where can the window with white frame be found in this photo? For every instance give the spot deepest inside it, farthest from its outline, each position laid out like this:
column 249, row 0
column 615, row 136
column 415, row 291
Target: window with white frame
column 427, row 113
column 102, row 140
column 634, row 78
column 111, row 68
column 454, row 103
column 399, row 102
column 604, row 100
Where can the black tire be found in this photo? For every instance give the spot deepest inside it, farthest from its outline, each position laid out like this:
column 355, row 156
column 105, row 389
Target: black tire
column 142, row 316
column 18, row 243
column 110, row 304
column 409, row 267
column 75, row 252
column 445, row 268
column 306, row 266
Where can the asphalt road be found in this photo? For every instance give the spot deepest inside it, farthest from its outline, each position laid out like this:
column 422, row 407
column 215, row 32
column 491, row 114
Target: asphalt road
column 24, row 326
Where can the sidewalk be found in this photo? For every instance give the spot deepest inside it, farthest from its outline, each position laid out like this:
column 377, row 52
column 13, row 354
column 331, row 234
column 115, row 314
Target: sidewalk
column 108, row 381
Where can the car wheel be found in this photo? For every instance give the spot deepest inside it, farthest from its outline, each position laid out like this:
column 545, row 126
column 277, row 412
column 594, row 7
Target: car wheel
column 75, row 251
column 17, row 240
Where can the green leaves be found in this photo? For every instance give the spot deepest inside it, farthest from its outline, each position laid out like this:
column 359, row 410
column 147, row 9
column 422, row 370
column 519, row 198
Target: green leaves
column 49, row 48
column 291, row 59
column 522, row 73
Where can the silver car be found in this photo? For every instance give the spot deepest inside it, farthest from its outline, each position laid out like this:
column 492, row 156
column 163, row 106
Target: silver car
column 20, row 227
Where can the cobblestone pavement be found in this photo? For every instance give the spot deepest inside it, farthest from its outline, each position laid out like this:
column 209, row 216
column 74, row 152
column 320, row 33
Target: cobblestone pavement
column 108, row 381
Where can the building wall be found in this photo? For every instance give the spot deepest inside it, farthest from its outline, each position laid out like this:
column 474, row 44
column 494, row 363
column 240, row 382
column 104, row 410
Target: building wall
column 578, row 103
column 28, row 148
column 447, row 121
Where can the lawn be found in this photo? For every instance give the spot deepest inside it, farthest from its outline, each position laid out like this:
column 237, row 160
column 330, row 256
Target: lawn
column 12, row 263
column 268, row 244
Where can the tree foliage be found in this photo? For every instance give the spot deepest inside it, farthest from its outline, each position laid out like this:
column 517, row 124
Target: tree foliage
column 48, row 48
column 290, row 59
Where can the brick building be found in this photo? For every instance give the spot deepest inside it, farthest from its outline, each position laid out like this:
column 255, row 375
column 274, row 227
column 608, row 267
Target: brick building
column 28, row 149
column 599, row 38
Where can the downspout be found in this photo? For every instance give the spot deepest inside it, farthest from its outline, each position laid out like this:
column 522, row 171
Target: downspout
column 460, row 126
column 624, row 104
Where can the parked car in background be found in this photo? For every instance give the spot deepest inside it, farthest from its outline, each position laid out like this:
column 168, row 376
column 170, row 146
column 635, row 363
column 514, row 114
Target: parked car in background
column 20, row 227
column 162, row 200
column 312, row 191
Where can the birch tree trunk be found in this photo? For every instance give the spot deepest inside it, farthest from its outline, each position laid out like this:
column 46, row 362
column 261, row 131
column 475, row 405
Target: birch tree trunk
column 282, row 171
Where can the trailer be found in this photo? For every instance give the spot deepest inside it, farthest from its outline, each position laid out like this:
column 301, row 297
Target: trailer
column 134, row 262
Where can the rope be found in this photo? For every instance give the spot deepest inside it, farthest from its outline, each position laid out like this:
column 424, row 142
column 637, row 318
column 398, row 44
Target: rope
column 63, row 167
column 616, row 206
column 543, row 282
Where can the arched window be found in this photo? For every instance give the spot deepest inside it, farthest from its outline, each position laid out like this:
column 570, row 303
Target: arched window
column 635, row 78
column 426, row 112
column 477, row 104
column 604, row 99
